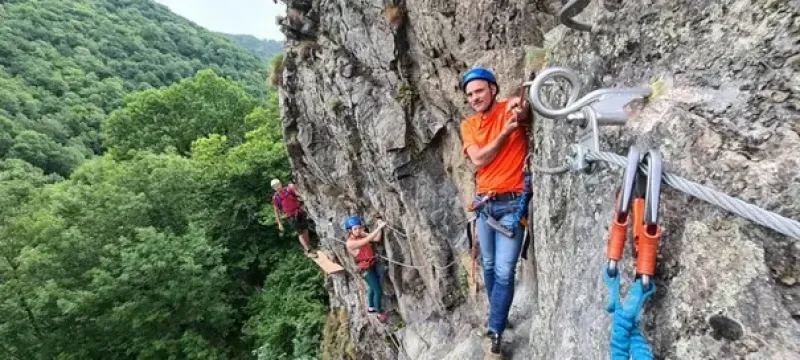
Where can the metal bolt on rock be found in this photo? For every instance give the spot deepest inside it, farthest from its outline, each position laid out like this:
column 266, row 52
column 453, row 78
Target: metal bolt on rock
column 601, row 107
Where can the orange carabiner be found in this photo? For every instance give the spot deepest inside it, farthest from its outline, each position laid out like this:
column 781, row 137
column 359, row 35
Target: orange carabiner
column 619, row 225
column 637, row 203
column 650, row 230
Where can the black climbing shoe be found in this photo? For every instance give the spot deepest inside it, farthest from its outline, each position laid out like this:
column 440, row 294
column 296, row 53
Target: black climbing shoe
column 495, row 343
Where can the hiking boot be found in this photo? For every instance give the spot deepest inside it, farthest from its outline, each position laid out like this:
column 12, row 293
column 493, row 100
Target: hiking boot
column 495, row 343
column 371, row 310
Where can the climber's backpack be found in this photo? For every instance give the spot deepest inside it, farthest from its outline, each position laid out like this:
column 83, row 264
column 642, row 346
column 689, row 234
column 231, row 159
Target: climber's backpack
column 288, row 198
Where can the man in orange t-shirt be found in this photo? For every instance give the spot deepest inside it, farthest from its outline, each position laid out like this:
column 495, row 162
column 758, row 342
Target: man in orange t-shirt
column 497, row 145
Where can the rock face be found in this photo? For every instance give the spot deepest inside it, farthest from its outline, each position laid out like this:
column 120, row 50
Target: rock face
column 370, row 106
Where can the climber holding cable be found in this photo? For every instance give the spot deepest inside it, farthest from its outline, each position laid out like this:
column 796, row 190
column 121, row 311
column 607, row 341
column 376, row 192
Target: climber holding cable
column 358, row 245
column 496, row 143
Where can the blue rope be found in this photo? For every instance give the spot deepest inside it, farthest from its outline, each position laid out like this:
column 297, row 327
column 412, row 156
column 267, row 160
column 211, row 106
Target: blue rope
column 627, row 341
column 522, row 205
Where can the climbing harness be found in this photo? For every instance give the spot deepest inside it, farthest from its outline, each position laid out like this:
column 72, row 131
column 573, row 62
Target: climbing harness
column 477, row 207
column 638, row 205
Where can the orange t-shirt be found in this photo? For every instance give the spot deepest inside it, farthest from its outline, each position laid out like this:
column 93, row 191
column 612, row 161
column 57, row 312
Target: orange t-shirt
column 504, row 173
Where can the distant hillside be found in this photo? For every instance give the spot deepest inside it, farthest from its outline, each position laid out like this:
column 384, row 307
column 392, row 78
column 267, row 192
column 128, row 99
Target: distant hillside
column 264, row 49
column 66, row 64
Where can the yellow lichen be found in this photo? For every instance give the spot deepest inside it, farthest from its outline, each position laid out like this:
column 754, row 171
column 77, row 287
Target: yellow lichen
column 536, row 59
column 658, row 88
column 336, row 341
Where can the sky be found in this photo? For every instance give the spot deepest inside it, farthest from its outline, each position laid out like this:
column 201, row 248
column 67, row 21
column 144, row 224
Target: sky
column 253, row 17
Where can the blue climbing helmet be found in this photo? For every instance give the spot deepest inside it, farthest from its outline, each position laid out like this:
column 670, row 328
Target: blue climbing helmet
column 478, row 73
column 352, row 221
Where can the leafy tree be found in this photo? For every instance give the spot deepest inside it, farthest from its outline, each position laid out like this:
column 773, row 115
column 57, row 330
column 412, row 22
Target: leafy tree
column 116, row 255
column 66, row 64
column 157, row 255
column 39, row 150
column 289, row 313
column 175, row 116
column 164, row 246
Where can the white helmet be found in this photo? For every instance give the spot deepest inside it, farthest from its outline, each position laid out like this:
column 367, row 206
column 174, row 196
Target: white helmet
column 274, row 182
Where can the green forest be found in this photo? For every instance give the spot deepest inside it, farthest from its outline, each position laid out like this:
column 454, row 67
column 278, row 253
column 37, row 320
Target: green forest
column 265, row 49
column 136, row 150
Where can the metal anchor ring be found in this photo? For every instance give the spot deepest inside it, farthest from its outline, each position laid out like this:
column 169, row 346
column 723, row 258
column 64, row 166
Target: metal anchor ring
column 573, row 103
column 536, row 86
column 571, row 10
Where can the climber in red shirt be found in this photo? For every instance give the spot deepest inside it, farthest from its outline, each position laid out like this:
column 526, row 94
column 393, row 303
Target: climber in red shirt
column 286, row 199
column 358, row 245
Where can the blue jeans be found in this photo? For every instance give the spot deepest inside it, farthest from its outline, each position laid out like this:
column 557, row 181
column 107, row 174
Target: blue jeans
column 499, row 254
